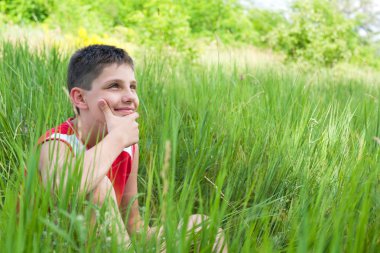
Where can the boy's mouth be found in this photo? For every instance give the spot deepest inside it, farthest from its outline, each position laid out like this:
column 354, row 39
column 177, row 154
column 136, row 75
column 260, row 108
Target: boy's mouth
column 125, row 110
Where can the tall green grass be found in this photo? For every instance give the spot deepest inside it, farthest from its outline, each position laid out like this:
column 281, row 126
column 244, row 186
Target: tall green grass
column 282, row 160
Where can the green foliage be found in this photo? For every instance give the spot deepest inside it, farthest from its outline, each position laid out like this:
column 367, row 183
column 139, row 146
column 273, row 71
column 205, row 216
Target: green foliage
column 367, row 55
column 26, row 11
column 318, row 33
column 72, row 15
column 153, row 23
column 210, row 18
column 263, row 23
column 159, row 23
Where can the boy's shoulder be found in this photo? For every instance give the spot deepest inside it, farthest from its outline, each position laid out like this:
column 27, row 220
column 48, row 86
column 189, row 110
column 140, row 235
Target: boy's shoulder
column 65, row 133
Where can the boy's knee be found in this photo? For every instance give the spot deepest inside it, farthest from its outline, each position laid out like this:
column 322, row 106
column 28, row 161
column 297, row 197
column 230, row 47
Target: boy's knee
column 197, row 218
column 196, row 222
column 103, row 191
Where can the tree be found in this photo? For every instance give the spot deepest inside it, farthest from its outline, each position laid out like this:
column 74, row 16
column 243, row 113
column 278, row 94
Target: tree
column 366, row 12
column 320, row 33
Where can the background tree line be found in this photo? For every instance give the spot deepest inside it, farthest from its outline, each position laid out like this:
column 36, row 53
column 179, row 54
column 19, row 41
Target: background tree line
column 322, row 32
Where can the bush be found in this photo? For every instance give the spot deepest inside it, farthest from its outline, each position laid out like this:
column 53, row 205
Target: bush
column 318, row 33
column 225, row 19
column 264, row 22
column 73, row 14
column 159, row 23
column 26, row 11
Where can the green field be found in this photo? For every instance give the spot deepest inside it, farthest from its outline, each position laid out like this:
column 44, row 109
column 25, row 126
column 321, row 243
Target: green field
column 284, row 160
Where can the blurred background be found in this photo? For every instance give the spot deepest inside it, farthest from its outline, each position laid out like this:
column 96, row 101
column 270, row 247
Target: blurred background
column 317, row 32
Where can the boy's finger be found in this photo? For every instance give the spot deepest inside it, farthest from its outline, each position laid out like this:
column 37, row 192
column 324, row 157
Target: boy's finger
column 104, row 108
column 134, row 115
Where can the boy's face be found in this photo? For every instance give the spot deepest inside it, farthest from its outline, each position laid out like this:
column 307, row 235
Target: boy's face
column 118, row 87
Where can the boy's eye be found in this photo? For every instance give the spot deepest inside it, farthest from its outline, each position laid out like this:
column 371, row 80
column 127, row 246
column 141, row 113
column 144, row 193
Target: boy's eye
column 133, row 87
column 114, row 85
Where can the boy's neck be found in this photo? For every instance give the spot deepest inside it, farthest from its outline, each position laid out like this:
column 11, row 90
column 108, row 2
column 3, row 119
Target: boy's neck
column 89, row 134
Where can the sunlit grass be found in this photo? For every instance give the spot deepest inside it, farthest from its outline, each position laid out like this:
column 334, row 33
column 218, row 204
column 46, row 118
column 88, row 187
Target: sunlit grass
column 283, row 160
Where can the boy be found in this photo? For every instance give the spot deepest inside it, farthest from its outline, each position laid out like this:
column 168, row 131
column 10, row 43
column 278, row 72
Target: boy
column 102, row 87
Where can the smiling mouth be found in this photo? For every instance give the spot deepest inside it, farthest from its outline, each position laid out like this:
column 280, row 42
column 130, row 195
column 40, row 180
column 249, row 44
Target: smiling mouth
column 125, row 111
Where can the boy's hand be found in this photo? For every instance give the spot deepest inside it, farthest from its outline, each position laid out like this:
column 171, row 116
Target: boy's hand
column 126, row 126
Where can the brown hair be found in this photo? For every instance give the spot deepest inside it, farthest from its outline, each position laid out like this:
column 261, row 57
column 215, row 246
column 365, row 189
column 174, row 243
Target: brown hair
column 87, row 63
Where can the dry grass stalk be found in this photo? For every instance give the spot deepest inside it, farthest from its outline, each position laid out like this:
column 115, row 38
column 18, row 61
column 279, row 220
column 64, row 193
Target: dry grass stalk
column 164, row 175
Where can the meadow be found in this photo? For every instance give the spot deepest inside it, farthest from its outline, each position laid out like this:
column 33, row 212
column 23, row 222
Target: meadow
column 283, row 159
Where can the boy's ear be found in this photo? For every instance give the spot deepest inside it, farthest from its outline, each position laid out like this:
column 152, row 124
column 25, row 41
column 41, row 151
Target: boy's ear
column 77, row 98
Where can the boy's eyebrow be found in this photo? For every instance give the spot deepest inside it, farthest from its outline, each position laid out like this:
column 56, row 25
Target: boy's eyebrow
column 119, row 81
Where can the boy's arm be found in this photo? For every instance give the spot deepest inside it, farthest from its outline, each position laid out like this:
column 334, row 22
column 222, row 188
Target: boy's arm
column 56, row 155
column 133, row 222
column 122, row 132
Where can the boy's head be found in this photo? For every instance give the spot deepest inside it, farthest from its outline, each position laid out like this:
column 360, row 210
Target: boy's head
column 87, row 63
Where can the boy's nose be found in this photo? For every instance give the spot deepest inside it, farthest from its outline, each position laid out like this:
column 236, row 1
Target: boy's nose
column 128, row 97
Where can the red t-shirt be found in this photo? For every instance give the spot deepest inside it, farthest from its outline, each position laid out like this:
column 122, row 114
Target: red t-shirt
column 121, row 167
